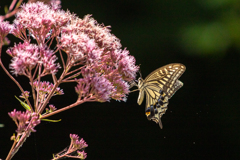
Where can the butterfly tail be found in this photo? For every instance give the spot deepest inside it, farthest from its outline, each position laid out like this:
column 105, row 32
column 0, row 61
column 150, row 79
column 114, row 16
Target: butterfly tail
column 160, row 123
column 151, row 113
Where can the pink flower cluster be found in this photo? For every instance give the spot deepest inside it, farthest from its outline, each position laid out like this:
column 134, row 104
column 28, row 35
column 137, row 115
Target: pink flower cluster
column 51, row 108
column 26, row 121
column 92, row 44
column 5, row 28
column 76, row 143
column 44, row 88
column 85, row 42
column 101, row 53
column 26, row 93
column 97, row 87
column 75, row 150
column 26, row 56
column 40, row 20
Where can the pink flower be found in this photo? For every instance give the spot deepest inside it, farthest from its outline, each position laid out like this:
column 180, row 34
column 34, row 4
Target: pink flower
column 51, row 108
column 75, row 44
column 6, row 41
column 5, row 28
column 98, row 87
column 102, row 88
column 44, row 88
column 56, row 4
column 126, row 66
column 122, row 88
column 34, row 121
column 26, row 93
column 33, row 15
column 82, row 154
column 74, row 137
column 24, row 120
column 48, row 59
column 40, row 20
column 25, row 57
column 76, row 146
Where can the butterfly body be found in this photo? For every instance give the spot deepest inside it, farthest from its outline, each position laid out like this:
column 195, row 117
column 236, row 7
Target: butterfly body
column 159, row 86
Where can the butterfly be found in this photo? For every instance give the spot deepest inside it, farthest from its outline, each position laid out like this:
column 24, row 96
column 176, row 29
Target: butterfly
column 159, row 86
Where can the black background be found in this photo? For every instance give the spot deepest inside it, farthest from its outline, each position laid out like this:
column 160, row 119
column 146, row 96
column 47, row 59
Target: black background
column 202, row 120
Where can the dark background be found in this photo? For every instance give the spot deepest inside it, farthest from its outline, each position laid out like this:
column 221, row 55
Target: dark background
column 202, row 120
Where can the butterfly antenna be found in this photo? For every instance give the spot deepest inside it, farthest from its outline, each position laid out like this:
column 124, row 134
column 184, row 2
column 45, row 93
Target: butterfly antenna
column 140, row 73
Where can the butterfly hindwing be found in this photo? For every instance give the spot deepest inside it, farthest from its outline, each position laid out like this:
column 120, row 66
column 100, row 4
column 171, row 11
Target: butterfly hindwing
column 158, row 108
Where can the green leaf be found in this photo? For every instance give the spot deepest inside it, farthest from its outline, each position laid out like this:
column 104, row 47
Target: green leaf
column 23, row 104
column 6, row 9
column 18, row 4
column 49, row 120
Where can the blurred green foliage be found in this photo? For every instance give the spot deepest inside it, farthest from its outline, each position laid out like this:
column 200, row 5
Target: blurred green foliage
column 216, row 32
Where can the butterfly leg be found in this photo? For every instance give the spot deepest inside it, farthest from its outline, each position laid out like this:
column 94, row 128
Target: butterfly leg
column 134, row 90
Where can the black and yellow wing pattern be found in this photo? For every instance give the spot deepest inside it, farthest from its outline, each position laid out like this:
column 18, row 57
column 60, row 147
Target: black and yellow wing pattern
column 159, row 86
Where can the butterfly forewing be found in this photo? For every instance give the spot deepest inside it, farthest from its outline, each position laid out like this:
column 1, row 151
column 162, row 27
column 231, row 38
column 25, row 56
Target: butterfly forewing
column 165, row 77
